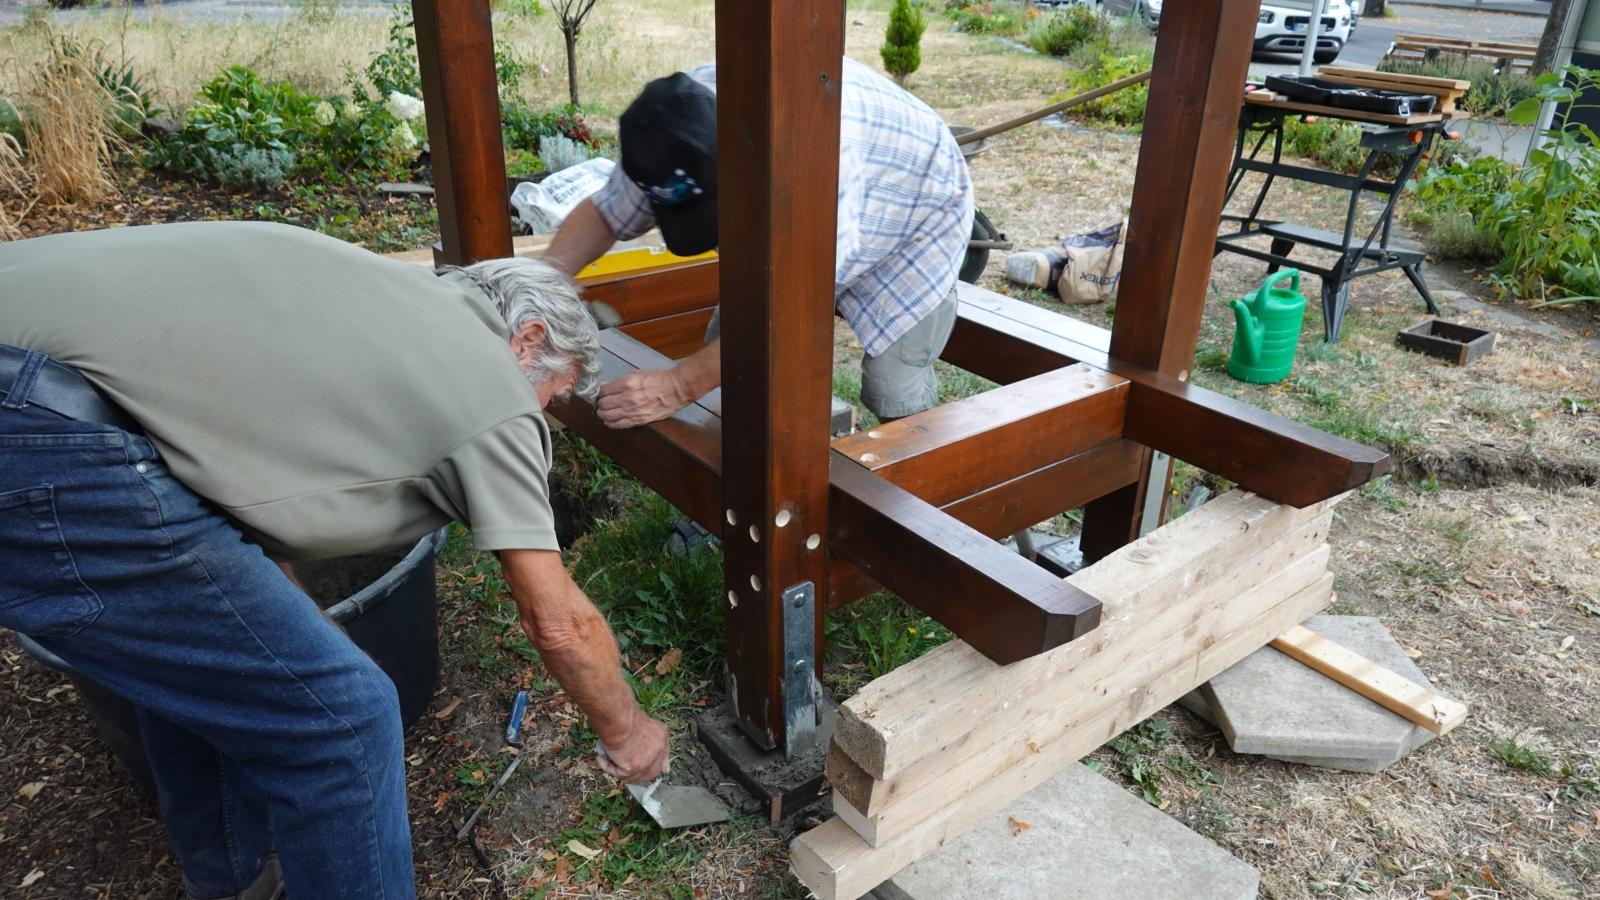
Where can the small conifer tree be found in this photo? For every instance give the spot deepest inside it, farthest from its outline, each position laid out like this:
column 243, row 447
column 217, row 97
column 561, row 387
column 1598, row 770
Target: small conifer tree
column 902, row 41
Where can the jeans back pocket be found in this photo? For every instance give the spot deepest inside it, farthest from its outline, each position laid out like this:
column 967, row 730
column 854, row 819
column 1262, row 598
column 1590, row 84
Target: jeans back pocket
column 41, row 593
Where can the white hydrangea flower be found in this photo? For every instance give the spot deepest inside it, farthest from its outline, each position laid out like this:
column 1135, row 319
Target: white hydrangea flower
column 401, row 137
column 403, row 107
column 324, row 114
column 348, row 110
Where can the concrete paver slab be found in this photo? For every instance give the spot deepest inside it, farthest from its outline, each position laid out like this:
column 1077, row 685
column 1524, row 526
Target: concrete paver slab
column 1088, row 839
column 1271, row 705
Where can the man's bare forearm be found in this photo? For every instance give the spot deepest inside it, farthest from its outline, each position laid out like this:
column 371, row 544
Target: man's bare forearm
column 574, row 641
column 580, row 240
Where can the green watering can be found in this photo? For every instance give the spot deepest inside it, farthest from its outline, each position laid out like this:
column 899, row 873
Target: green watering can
column 1267, row 330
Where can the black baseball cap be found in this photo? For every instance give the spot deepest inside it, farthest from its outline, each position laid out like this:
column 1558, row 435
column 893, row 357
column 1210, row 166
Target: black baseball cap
column 669, row 149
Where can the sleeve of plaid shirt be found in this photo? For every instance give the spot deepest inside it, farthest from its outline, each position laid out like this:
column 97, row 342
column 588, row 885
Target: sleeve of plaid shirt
column 624, row 208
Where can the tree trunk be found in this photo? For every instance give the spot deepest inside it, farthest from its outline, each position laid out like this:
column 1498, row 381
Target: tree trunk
column 1544, row 60
column 1372, row 9
column 571, row 37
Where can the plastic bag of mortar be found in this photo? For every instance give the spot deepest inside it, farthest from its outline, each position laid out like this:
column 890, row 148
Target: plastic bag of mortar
column 542, row 206
column 1094, row 265
column 1037, row 268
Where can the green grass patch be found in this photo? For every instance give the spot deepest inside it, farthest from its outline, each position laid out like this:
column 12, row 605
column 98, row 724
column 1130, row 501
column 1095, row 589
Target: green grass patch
column 1147, row 755
column 875, row 636
column 1524, row 759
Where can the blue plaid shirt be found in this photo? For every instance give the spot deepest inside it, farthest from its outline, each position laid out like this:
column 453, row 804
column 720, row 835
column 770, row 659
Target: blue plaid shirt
column 905, row 207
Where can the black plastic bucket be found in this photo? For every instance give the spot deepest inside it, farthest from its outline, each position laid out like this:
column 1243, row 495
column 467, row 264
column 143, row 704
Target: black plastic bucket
column 392, row 618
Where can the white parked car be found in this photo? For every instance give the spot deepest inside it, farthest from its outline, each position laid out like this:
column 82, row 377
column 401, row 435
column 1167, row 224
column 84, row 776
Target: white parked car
column 1282, row 25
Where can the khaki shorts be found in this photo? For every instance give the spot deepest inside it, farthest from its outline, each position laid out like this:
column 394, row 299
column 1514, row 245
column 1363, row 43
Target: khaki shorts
column 900, row 381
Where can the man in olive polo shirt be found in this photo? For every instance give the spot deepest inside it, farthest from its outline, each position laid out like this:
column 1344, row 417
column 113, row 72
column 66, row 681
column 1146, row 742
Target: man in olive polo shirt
column 184, row 406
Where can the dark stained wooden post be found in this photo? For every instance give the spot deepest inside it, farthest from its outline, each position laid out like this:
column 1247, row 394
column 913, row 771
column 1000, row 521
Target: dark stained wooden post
column 779, row 70
column 1195, row 94
column 455, row 50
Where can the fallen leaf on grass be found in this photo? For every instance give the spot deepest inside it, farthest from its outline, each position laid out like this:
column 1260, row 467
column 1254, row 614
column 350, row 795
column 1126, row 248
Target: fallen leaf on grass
column 31, row 877
column 1488, row 876
column 669, row 662
column 30, row 790
column 1566, row 645
column 582, row 849
column 449, row 708
column 1441, row 893
column 1017, row 826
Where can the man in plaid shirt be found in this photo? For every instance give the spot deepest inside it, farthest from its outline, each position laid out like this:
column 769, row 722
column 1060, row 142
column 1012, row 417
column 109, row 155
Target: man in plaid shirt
column 905, row 215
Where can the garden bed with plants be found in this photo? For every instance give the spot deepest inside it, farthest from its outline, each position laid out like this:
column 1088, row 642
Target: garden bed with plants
column 1482, row 552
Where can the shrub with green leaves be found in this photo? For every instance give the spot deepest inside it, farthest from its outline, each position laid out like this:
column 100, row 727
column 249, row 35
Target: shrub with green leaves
column 523, row 128
column 1110, row 57
column 1543, row 218
column 1060, row 33
column 902, row 40
column 1001, row 17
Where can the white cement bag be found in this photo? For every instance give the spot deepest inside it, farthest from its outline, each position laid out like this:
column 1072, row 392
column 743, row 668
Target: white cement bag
column 543, row 206
column 1094, row 265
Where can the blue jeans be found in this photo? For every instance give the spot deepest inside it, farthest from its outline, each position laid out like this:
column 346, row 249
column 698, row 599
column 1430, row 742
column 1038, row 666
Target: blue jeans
column 262, row 720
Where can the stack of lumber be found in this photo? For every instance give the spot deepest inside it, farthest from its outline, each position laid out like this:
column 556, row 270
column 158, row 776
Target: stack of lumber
column 936, row 746
column 1448, row 90
column 1429, row 47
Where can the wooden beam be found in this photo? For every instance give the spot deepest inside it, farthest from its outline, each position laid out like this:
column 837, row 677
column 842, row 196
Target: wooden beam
column 674, row 336
column 960, row 448
column 1004, row 606
column 1172, row 223
column 1394, row 692
column 658, row 292
column 455, row 53
column 778, row 108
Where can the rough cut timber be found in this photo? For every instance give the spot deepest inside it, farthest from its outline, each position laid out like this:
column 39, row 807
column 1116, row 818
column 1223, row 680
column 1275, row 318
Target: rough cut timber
column 944, row 741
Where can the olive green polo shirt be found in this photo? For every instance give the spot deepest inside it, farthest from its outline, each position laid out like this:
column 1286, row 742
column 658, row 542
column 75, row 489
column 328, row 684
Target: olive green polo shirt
column 327, row 400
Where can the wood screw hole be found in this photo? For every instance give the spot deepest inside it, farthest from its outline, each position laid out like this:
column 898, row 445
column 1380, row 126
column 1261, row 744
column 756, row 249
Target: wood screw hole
column 869, row 458
column 813, row 542
column 733, row 599
column 783, row 518
column 755, row 534
column 755, row 582
column 732, row 519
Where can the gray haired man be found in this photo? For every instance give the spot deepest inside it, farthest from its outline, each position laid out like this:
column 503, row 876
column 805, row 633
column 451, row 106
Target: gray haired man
column 183, row 405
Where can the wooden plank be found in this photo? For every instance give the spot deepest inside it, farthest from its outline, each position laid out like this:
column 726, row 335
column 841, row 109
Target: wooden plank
column 1377, row 78
column 955, row 450
column 674, row 336
column 1269, row 454
column 836, row 864
column 894, row 721
column 657, row 293
column 778, row 108
column 1394, row 692
column 1342, row 113
column 1172, row 223
column 455, row 53
column 896, row 806
column 1001, row 605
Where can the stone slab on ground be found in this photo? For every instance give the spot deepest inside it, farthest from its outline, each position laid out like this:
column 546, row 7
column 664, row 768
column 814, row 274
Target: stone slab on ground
column 1273, row 706
column 1087, row 839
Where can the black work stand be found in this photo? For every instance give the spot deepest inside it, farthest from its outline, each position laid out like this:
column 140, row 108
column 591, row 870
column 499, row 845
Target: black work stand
column 1357, row 256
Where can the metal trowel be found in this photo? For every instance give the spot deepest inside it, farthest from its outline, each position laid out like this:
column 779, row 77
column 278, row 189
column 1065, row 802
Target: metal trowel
column 676, row 805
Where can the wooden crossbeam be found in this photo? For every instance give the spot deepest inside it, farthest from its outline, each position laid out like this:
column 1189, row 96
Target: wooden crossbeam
column 674, row 336
column 952, row 451
column 1006, row 607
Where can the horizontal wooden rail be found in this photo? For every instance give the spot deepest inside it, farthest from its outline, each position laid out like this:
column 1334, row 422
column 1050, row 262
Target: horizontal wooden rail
column 1004, row 606
column 637, row 297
